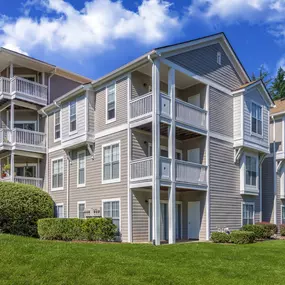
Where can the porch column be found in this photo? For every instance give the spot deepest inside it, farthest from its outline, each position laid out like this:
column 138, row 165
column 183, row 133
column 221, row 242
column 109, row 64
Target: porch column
column 156, row 151
column 43, row 78
column 11, row 70
column 12, row 170
column 12, row 116
column 172, row 156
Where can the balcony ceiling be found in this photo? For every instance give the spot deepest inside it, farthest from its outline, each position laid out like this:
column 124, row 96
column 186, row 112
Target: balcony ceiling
column 182, row 80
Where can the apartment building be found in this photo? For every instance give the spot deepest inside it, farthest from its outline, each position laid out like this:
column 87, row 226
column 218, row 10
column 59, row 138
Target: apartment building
column 273, row 170
column 170, row 145
column 26, row 86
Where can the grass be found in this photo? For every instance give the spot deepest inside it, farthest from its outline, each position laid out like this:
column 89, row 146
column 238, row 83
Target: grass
column 32, row 261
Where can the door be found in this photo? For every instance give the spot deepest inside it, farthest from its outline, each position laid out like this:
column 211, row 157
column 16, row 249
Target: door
column 193, row 155
column 194, row 100
column 193, row 220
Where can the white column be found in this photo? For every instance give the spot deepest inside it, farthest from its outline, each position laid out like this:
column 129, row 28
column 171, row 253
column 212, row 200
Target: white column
column 43, row 78
column 156, row 151
column 12, row 166
column 171, row 154
column 12, row 114
column 11, row 70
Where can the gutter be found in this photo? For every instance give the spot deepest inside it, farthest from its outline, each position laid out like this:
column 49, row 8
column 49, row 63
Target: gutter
column 274, row 172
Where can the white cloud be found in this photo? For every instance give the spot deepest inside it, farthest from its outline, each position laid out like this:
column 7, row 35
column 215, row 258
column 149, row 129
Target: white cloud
column 15, row 48
column 96, row 27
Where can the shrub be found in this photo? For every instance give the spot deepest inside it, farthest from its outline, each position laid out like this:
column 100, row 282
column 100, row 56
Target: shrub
column 242, row 237
column 269, row 229
column 95, row 229
column 258, row 230
column 282, row 230
column 21, row 206
column 220, row 237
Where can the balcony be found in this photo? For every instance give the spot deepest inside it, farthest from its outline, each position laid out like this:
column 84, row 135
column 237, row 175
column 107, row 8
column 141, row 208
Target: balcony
column 187, row 116
column 23, row 89
column 188, row 174
column 38, row 182
column 23, row 140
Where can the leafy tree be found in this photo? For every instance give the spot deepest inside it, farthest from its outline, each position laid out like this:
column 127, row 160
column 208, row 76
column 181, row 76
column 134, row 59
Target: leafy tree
column 263, row 75
column 277, row 88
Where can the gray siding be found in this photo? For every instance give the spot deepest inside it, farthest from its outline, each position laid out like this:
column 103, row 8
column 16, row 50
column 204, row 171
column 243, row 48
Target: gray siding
column 121, row 106
column 221, row 112
column 237, row 117
column 225, row 198
column 203, row 61
column 51, row 142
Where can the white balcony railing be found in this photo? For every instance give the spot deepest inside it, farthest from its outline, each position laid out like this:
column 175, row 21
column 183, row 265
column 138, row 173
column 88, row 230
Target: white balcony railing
column 190, row 114
column 21, row 136
column 5, row 136
column 141, row 106
column 141, row 169
column 38, row 182
column 189, row 172
column 5, row 85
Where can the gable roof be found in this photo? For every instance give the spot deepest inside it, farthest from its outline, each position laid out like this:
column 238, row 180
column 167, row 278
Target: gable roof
column 279, row 107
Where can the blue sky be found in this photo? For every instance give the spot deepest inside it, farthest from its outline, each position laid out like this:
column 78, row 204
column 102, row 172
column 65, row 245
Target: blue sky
column 94, row 37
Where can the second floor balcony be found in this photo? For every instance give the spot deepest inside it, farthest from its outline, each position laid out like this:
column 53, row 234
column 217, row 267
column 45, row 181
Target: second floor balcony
column 23, row 89
column 22, row 139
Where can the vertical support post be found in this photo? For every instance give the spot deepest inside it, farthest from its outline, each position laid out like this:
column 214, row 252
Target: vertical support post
column 12, row 115
column 156, row 151
column 12, row 166
column 171, row 155
column 43, row 78
column 11, row 70
column 38, row 169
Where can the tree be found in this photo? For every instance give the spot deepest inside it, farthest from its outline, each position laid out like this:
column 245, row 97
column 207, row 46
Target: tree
column 277, row 88
column 263, row 75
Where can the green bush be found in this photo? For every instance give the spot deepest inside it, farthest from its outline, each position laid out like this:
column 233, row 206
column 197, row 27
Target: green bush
column 95, row 229
column 282, row 230
column 220, row 237
column 258, row 230
column 21, row 206
column 269, row 229
column 242, row 237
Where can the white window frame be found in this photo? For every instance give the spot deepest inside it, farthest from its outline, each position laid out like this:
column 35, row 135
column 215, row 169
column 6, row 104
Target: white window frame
column 78, row 154
column 219, row 58
column 80, row 203
column 28, row 164
column 108, row 121
column 27, row 122
column 116, row 180
column 25, row 76
column 60, row 130
column 163, row 148
column 58, row 188
column 256, row 170
column 60, row 204
column 69, row 107
column 113, row 200
column 253, row 214
column 251, row 116
column 282, row 207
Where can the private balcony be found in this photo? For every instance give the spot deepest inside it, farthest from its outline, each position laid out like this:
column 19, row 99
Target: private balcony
column 23, row 89
column 188, row 174
column 21, row 139
column 38, row 182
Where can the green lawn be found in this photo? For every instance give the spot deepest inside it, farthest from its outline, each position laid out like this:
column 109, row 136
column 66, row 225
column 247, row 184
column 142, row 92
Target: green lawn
column 31, row 261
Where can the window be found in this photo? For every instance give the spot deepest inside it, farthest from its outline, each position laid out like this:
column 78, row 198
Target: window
column 219, row 58
column 164, row 152
column 256, row 119
column 111, row 209
column 26, row 170
column 80, row 210
column 31, row 126
column 59, row 211
column 247, row 214
column 57, row 173
column 251, row 170
column 111, row 162
column 81, row 165
column 57, row 125
column 283, row 214
column 111, row 112
column 72, row 116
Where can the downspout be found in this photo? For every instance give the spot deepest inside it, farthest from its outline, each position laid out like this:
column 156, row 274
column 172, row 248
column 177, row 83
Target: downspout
column 67, row 183
column 47, row 148
column 274, row 172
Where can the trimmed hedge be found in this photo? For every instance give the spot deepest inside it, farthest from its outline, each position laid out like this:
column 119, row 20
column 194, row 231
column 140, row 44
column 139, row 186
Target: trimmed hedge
column 269, row 229
column 282, row 230
column 21, row 206
column 242, row 237
column 258, row 230
column 93, row 229
column 220, row 237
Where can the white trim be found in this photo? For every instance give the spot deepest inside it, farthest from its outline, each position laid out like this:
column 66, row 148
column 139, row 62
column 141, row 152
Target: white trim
column 60, row 204
column 120, row 213
column 111, row 131
column 51, row 171
column 60, row 126
column 253, row 214
column 25, row 76
column 251, row 132
column 25, row 122
column 116, row 180
column 221, row 137
column 108, row 121
column 69, row 106
column 219, row 58
column 27, row 164
column 77, row 166
column 80, row 203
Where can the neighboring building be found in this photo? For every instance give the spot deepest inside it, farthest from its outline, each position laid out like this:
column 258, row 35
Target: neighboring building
column 170, row 145
column 27, row 85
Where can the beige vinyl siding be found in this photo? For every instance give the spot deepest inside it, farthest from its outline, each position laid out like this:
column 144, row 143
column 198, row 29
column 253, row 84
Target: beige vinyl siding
column 91, row 112
column 237, row 117
column 268, row 190
column 221, row 112
column 80, row 118
column 225, row 197
column 203, row 61
column 278, row 134
column 254, row 96
column 121, row 106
